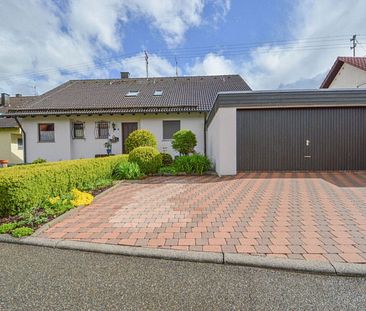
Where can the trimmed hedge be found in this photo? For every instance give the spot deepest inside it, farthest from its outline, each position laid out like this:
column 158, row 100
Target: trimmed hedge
column 148, row 159
column 27, row 186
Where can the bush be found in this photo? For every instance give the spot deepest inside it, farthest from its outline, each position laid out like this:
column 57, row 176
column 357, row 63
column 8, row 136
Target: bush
column 197, row 164
column 184, row 142
column 7, row 228
column 21, row 231
column 167, row 159
column 168, row 170
column 127, row 170
column 28, row 186
column 39, row 161
column 148, row 159
column 140, row 138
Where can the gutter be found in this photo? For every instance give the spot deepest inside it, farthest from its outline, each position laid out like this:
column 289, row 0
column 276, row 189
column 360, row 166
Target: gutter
column 24, row 140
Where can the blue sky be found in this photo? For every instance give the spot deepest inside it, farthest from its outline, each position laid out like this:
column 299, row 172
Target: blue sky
column 272, row 44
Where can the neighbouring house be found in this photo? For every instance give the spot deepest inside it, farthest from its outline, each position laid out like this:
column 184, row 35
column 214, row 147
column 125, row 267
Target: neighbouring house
column 75, row 119
column 11, row 138
column 346, row 72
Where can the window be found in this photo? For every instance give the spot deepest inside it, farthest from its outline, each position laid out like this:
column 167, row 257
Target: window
column 169, row 128
column 158, row 93
column 102, row 130
column 78, row 130
column 20, row 143
column 132, row 93
column 46, row 132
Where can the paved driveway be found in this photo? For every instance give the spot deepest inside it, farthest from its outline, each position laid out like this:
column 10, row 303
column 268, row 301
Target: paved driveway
column 309, row 216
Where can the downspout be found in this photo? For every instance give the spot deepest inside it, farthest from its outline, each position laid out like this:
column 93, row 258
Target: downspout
column 24, row 140
column 204, row 134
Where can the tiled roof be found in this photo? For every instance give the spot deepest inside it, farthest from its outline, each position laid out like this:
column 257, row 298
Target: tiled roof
column 15, row 102
column 358, row 62
column 191, row 93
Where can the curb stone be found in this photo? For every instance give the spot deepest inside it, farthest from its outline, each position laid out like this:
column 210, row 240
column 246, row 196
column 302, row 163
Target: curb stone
column 341, row 269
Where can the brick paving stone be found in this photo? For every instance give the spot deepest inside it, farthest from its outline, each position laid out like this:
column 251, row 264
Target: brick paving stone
column 297, row 215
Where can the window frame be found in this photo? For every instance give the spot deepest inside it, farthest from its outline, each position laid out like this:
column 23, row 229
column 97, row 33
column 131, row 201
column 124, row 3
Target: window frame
column 20, row 146
column 132, row 93
column 39, row 133
column 73, row 130
column 97, row 129
column 170, row 121
column 158, row 93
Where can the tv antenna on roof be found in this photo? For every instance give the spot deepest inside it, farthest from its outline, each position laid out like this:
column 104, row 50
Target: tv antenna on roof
column 354, row 44
column 147, row 64
column 176, row 66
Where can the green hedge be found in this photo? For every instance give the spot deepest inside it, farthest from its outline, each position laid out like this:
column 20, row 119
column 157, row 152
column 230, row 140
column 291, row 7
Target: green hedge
column 26, row 186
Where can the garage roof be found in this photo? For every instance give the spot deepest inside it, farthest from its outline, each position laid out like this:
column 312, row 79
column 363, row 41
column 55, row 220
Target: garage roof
column 290, row 99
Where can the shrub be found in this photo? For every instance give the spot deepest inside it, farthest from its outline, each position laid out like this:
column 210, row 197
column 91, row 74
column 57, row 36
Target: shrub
column 39, row 161
column 168, row 170
column 148, row 159
column 21, row 231
column 127, row 170
column 140, row 138
column 6, row 228
column 196, row 164
column 24, row 187
column 167, row 159
column 184, row 142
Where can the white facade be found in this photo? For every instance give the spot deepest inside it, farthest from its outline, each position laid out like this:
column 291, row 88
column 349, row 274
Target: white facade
column 349, row 77
column 65, row 147
column 221, row 141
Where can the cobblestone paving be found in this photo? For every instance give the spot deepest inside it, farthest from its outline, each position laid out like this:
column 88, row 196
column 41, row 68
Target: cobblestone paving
column 309, row 216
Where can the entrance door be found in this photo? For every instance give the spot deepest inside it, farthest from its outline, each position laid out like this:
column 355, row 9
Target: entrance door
column 127, row 128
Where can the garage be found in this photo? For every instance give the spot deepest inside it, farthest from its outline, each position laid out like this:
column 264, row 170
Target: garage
column 292, row 130
column 301, row 139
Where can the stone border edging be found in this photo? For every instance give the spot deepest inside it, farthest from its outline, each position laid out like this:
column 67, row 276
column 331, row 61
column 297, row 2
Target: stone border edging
column 343, row 269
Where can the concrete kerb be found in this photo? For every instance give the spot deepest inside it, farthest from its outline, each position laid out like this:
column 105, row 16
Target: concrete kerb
column 341, row 269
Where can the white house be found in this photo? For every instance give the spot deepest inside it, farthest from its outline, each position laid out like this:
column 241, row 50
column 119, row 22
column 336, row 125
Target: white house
column 75, row 119
column 346, row 72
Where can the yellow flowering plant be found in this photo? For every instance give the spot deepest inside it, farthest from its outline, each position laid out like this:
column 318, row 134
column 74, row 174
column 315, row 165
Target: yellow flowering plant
column 81, row 198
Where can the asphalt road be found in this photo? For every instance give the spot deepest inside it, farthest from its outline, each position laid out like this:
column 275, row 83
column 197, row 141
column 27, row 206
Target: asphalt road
column 35, row 278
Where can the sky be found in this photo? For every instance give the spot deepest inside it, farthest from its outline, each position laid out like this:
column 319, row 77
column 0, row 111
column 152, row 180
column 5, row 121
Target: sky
column 272, row 44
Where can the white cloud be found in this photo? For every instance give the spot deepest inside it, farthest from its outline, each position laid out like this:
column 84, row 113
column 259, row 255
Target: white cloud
column 158, row 67
column 274, row 66
column 172, row 18
column 212, row 64
column 62, row 40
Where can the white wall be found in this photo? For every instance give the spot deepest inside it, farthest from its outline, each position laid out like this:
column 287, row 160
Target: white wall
column 51, row 151
column 221, row 141
column 349, row 77
column 65, row 147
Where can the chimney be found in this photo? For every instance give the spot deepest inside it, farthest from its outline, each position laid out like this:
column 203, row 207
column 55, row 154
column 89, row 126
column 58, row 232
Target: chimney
column 18, row 95
column 125, row 75
column 5, row 99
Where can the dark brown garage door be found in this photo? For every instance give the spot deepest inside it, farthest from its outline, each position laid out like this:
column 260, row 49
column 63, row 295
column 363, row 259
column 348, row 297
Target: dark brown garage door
column 301, row 139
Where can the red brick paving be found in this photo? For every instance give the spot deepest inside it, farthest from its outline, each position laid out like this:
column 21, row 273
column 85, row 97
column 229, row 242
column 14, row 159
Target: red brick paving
column 309, row 216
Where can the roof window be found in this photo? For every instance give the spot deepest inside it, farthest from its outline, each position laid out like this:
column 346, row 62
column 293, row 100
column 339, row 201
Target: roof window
column 132, row 93
column 158, row 93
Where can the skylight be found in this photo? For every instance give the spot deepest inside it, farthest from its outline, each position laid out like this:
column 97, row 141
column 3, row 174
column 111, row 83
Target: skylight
column 132, row 93
column 158, row 93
